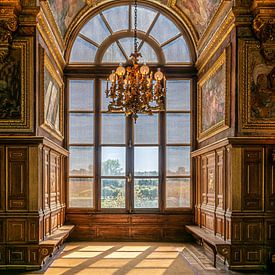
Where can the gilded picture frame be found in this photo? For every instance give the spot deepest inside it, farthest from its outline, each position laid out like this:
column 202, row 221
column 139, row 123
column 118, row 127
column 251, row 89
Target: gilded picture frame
column 17, row 89
column 52, row 98
column 213, row 98
column 257, row 86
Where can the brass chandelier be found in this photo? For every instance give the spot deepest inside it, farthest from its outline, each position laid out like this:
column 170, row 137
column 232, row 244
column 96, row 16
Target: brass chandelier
column 133, row 90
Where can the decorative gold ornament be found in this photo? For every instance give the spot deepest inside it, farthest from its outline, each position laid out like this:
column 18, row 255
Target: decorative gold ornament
column 132, row 89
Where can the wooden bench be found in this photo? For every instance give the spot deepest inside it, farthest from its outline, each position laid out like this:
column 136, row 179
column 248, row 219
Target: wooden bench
column 53, row 242
column 217, row 245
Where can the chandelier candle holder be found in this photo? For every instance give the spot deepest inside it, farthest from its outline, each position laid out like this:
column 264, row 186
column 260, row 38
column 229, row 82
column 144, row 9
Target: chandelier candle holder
column 132, row 89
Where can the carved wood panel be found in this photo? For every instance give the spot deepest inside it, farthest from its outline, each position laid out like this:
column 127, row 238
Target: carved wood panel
column 220, row 178
column 2, row 179
column 204, row 180
column 17, row 178
column 2, row 236
column 54, row 178
column 46, row 178
column 270, row 179
column 252, row 187
column 253, row 231
column 16, row 231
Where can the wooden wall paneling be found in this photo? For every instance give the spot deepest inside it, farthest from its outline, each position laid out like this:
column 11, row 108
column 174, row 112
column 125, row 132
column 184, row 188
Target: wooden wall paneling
column 35, row 185
column 270, row 179
column 16, row 231
column 211, row 178
column 2, row 231
column 252, row 179
column 253, row 231
column 16, row 255
column 46, row 178
column 198, row 191
column 2, row 179
column 2, row 255
column 17, row 178
column 53, row 179
column 33, row 231
column 204, row 179
column 220, row 178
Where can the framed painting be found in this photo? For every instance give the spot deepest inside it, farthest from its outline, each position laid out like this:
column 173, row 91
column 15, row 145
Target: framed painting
column 213, row 99
column 52, row 94
column 257, row 89
column 16, row 88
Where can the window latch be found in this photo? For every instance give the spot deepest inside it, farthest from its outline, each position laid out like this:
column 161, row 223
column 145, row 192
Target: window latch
column 129, row 178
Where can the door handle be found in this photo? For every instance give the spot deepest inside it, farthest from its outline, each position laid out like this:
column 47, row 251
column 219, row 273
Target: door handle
column 129, row 178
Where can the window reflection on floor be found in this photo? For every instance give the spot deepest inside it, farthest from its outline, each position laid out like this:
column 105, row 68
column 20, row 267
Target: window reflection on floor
column 120, row 258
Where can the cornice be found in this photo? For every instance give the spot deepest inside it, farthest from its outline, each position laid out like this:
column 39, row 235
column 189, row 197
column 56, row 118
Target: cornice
column 49, row 38
column 216, row 40
column 222, row 11
column 51, row 22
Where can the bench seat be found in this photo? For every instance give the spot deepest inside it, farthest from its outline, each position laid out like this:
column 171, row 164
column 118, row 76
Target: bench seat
column 217, row 245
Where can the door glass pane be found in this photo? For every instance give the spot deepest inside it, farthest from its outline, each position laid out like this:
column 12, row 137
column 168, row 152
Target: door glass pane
column 164, row 29
column 81, row 128
column 113, row 129
column 146, row 193
column 112, row 193
column 81, row 161
column 81, row 192
column 177, row 193
column 146, row 129
column 176, row 51
column 113, row 161
column 177, row 161
column 116, row 22
column 95, row 30
column 146, row 161
column 81, row 95
column 178, row 95
column 113, row 55
column 83, row 51
column 178, row 128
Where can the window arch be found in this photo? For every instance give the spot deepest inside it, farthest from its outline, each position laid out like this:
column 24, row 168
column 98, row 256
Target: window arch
column 114, row 164
column 107, row 38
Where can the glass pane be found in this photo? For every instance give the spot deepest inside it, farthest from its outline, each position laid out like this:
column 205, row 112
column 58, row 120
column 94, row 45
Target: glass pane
column 146, row 161
column 113, row 55
column 83, row 51
column 178, row 128
column 146, row 129
column 81, row 161
column 81, row 95
column 127, row 44
column 116, row 22
column 145, row 18
column 81, row 128
column 177, row 193
column 113, row 129
column 146, row 193
column 178, row 95
column 95, row 30
column 148, row 54
column 164, row 29
column 113, row 161
column 112, row 193
column 177, row 51
column 81, row 193
column 177, row 161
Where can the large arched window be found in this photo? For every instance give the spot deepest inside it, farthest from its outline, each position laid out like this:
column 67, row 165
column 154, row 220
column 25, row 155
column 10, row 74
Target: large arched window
column 114, row 164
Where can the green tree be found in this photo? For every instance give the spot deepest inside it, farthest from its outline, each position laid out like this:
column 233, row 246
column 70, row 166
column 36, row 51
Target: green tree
column 111, row 167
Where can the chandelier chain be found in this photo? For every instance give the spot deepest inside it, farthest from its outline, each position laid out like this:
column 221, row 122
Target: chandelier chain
column 135, row 30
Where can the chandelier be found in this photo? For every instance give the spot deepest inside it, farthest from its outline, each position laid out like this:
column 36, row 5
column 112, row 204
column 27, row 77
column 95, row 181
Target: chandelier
column 132, row 89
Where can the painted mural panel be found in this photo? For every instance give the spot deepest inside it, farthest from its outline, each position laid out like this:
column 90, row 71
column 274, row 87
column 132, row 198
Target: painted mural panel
column 64, row 12
column 200, row 12
column 257, row 88
column 213, row 98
